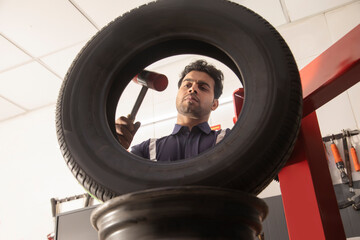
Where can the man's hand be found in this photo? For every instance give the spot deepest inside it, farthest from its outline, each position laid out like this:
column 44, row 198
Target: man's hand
column 126, row 130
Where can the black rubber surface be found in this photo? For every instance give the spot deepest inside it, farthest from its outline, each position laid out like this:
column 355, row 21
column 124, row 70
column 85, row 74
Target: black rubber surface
column 247, row 159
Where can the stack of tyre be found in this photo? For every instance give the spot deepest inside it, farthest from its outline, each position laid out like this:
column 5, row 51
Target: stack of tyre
column 224, row 178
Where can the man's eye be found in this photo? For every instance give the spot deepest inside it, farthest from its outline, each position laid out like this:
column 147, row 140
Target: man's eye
column 202, row 88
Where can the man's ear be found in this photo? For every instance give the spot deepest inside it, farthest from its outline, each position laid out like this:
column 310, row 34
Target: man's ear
column 215, row 104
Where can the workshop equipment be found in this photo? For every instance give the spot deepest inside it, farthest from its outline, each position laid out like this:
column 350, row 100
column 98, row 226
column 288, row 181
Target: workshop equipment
column 353, row 154
column 55, row 207
column 353, row 198
column 188, row 212
column 355, row 159
column 55, row 202
column 347, row 157
column 345, row 176
column 238, row 100
column 339, row 163
column 147, row 79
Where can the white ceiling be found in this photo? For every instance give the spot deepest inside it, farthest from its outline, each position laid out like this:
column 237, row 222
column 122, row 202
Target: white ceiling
column 38, row 41
column 40, row 38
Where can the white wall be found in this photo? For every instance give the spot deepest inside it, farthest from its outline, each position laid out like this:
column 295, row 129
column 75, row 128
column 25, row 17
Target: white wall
column 33, row 170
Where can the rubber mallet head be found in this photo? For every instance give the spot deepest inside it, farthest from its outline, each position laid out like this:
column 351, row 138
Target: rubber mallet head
column 151, row 80
column 147, row 79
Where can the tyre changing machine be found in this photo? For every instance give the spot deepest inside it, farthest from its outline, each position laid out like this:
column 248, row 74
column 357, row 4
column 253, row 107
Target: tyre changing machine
column 309, row 200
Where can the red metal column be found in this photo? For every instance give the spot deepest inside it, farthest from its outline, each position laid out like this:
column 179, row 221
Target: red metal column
column 309, row 200
column 308, row 195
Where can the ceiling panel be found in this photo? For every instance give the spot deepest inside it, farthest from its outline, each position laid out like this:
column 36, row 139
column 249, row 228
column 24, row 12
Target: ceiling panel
column 14, row 56
column 103, row 12
column 41, row 26
column 300, row 9
column 8, row 109
column 271, row 10
column 30, row 86
column 314, row 37
column 343, row 20
column 60, row 61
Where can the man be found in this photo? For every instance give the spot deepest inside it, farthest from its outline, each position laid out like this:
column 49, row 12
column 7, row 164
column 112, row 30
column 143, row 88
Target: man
column 200, row 87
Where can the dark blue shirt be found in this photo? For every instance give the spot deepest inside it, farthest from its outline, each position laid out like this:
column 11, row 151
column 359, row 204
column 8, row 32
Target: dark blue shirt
column 181, row 143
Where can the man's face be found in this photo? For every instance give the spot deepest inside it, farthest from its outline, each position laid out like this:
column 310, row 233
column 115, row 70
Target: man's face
column 195, row 97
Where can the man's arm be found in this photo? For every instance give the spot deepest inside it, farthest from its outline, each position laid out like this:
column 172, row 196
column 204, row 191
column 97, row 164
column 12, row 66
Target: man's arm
column 142, row 149
column 126, row 130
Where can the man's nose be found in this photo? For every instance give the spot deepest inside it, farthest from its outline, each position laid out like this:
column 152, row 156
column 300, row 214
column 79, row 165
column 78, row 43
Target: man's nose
column 193, row 89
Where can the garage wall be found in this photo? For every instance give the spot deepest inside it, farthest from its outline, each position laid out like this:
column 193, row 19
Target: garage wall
column 33, row 171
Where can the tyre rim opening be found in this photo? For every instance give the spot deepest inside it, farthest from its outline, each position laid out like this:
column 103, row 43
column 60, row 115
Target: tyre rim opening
column 158, row 113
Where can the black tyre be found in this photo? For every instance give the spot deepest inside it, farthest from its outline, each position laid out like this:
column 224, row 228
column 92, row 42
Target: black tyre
column 247, row 159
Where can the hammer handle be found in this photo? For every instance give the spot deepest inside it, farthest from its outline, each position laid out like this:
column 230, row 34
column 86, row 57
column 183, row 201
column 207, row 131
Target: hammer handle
column 347, row 160
column 137, row 104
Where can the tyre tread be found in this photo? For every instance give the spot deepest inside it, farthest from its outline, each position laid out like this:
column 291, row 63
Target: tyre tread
column 103, row 193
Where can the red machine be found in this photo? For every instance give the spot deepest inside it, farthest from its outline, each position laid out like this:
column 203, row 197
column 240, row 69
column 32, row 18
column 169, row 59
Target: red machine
column 308, row 195
column 238, row 99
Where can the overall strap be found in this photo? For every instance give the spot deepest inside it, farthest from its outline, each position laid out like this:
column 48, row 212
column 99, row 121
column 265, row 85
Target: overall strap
column 220, row 136
column 152, row 149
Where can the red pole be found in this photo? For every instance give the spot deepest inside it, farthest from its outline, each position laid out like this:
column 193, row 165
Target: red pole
column 308, row 195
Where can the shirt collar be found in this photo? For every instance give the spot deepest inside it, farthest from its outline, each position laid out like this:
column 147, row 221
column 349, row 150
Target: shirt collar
column 202, row 126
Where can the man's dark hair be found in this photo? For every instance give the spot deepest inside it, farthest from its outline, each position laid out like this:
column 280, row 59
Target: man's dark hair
column 203, row 66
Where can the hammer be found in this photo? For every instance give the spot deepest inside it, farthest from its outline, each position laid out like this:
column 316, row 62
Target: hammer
column 148, row 80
